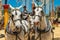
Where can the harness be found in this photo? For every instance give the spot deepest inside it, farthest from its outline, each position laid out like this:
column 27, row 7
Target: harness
column 13, row 33
column 25, row 17
column 46, row 29
column 25, row 25
column 38, row 15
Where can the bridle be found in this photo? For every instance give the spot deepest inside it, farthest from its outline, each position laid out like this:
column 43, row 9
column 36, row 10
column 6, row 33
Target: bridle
column 37, row 15
column 40, row 17
column 42, row 31
column 14, row 33
column 47, row 29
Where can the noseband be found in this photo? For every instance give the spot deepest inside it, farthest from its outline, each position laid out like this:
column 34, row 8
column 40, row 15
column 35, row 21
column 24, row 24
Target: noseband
column 13, row 33
column 46, row 29
column 37, row 15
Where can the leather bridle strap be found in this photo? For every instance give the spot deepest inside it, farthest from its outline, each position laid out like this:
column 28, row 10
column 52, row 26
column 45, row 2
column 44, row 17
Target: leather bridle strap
column 13, row 33
column 37, row 15
column 17, row 37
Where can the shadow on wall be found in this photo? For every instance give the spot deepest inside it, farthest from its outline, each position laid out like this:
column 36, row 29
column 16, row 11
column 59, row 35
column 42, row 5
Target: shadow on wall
column 56, row 38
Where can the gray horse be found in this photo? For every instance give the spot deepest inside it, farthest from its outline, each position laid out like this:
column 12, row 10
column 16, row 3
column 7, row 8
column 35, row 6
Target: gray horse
column 41, row 25
column 14, row 30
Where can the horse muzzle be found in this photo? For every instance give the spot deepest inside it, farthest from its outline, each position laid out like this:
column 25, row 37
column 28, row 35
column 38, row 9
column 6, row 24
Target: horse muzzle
column 17, row 29
column 36, row 23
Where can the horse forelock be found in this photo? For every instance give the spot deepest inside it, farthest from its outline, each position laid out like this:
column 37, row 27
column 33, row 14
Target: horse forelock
column 38, row 11
column 18, row 12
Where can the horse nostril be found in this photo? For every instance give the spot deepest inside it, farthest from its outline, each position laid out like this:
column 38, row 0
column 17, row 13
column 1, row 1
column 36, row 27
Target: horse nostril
column 17, row 27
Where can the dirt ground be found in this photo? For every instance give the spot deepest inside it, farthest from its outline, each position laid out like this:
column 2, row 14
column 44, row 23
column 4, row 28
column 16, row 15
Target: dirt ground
column 56, row 33
column 2, row 32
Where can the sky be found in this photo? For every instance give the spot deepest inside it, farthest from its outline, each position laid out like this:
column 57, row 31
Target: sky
column 14, row 3
column 57, row 3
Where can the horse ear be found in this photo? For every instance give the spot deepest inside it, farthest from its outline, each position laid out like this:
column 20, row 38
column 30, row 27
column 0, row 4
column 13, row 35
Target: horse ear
column 19, row 7
column 35, row 4
column 41, row 5
column 11, row 6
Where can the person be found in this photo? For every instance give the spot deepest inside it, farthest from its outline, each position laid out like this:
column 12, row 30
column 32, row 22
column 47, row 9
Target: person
column 25, row 22
column 24, row 13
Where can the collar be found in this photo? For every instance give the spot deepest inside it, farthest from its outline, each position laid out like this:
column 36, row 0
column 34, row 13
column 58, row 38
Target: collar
column 47, row 29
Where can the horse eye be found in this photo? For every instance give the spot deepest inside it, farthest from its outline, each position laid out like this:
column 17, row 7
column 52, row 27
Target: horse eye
column 12, row 16
column 41, row 11
column 37, row 9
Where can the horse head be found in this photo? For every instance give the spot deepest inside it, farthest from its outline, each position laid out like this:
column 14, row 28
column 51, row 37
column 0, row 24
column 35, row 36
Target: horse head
column 39, row 17
column 38, row 14
column 16, row 17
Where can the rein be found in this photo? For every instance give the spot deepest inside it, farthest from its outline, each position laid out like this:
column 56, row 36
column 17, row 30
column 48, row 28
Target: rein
column 13, row 33
column 37, row 15
column 43, row 31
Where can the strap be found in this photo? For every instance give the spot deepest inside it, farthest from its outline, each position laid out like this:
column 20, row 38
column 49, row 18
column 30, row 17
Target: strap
column 25, row 24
